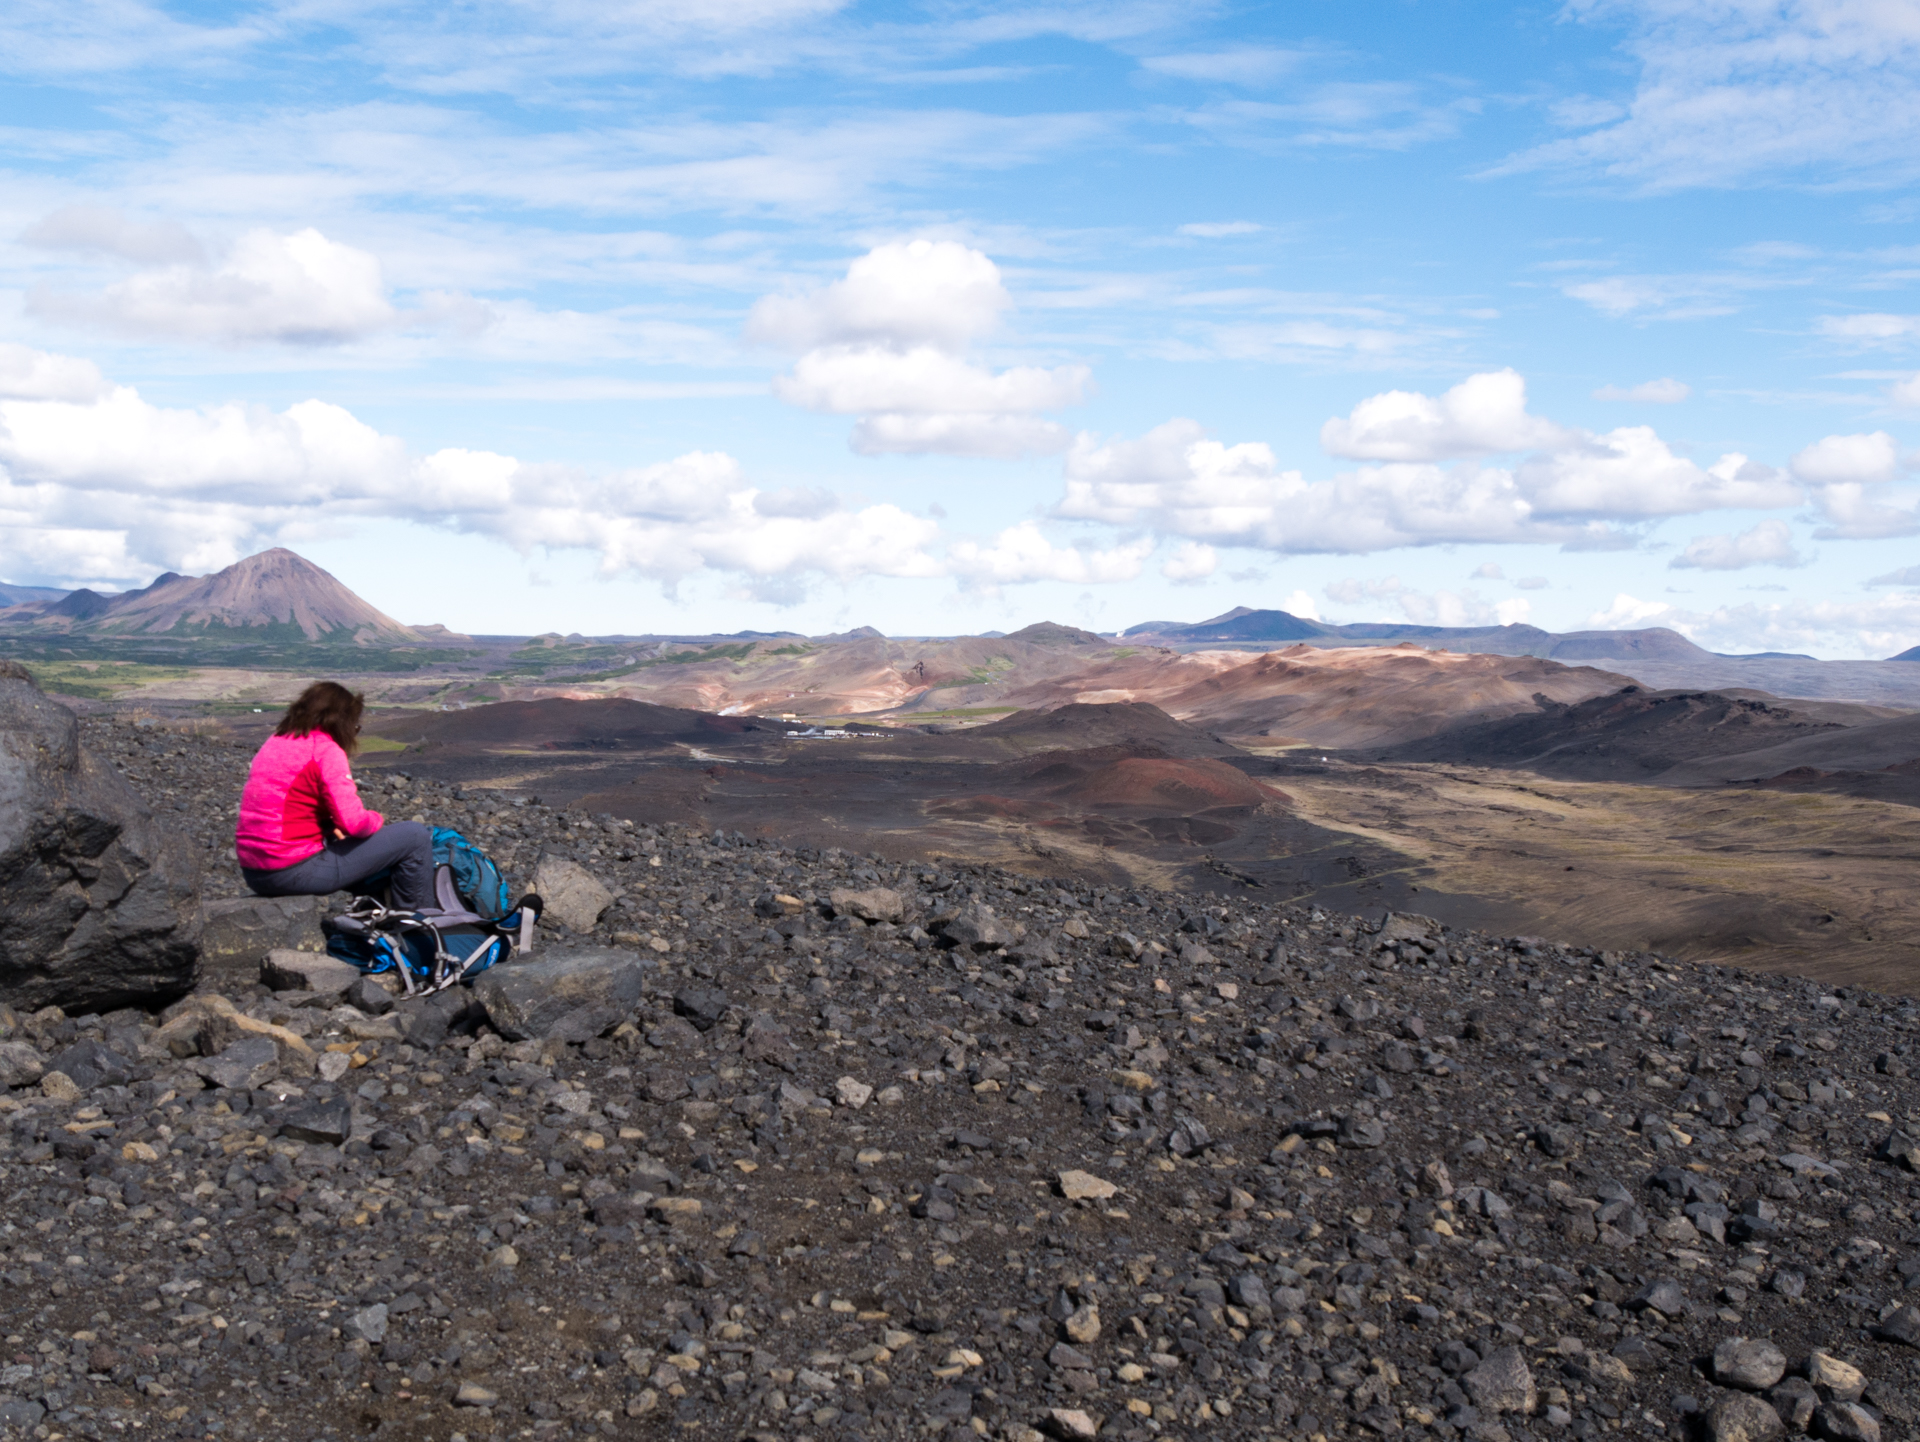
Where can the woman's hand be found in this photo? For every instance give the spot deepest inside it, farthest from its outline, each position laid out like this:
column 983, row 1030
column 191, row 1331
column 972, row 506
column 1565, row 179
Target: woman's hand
column 338, row 834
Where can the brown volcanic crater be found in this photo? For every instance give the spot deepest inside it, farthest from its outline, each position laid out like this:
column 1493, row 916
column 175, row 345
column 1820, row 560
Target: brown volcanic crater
column 1080, row 726
column 1106, row 778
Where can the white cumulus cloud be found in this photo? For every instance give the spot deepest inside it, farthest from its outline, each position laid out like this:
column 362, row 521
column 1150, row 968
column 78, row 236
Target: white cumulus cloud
column 1849, row 476
column 1483, row 415
column 35, row 375
column 298, row 289
column 994, row 437
column 1768, row 543
column 1664, row 392
column 1578, row 488
column 1300, row 604
column 889, row 343
column 1857, row 458
column 1191, row 561
column 906, row 293
column 108, row 486
column 1023, row 553
column 862, row 380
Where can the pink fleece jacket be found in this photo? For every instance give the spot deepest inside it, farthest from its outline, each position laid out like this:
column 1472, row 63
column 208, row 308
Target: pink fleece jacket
column 297, row 789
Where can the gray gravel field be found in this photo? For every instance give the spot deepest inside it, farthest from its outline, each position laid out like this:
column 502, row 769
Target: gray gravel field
column 933, row 1150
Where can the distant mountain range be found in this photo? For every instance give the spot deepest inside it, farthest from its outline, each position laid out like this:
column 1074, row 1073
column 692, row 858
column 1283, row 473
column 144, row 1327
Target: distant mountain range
column 1265, row 628
column 273, row 590
column 16, row 595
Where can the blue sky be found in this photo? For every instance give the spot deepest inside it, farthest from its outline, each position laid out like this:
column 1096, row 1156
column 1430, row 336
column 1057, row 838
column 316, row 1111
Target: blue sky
column 798, row 315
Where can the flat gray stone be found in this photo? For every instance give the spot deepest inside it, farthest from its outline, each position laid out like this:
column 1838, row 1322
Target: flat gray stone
column 328, row 1123
column 1663, row 1295
column 288, row 970
column 881, row 903
column 571, row 996
column 369, row 1324
column 250, row 1062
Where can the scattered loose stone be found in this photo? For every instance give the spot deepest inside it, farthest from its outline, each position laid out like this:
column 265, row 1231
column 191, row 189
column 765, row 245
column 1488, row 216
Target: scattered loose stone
column 1502, row 1383
column 642, row 1186
column 1078, row 1186
column 1753, row 1363
column 1082, row 1325
column 1740, row 1418
column 850, row 1092
column 1846, row 1422
column 1840, row 1380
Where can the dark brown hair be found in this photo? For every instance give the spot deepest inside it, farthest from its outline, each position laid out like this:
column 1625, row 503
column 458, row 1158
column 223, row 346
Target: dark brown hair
column 326, row 706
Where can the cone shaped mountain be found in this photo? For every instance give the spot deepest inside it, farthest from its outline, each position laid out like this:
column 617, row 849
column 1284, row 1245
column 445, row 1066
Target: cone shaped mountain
column 275, row 588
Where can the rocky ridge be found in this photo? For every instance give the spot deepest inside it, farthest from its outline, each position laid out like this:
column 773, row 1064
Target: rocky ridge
column 881, row 1149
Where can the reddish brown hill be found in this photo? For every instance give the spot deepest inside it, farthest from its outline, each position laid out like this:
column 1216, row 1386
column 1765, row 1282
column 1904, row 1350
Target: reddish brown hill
column 1080, row 725
column 1165, row 782
column 1343, row 698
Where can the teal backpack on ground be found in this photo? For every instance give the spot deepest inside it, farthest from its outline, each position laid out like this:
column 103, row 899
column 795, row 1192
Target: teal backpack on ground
column 475, row 876
column 472, row 925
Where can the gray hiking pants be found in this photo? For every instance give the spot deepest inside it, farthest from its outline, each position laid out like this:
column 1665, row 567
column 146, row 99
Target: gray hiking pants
column 406, row 846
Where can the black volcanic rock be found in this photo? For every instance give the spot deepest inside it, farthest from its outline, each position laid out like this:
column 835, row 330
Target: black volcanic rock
column 99, row 901
column 891, row 1183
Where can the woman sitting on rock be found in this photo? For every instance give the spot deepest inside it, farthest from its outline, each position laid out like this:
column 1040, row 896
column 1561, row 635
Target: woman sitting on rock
column 302, row 829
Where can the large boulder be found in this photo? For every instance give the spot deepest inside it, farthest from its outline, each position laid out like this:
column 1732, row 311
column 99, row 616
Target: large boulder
column 571, row 894
column 101, row 905
column 571, row 996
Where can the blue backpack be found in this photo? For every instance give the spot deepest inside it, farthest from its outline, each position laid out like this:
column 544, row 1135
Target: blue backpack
column 473, row 924
column 475, row 876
